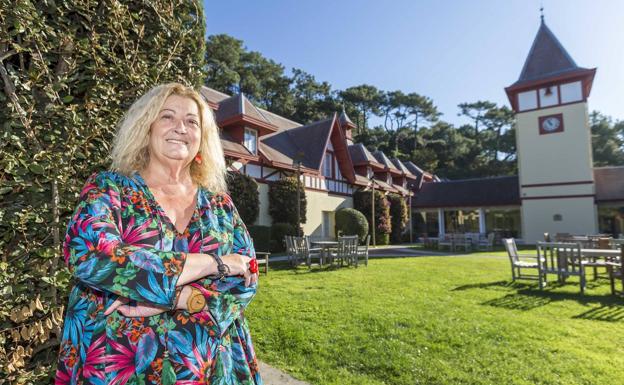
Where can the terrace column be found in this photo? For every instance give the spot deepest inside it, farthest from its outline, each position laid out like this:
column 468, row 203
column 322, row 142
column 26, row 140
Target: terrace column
column 441, row 230
column 482, row 228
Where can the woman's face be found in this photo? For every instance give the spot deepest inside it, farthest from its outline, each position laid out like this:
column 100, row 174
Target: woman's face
column 176, row 132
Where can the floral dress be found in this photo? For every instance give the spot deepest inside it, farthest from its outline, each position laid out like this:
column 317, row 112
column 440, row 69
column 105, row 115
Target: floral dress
column 119, row 242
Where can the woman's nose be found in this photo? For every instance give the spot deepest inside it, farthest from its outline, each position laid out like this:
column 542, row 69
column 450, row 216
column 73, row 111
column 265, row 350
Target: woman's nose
column 180, row 127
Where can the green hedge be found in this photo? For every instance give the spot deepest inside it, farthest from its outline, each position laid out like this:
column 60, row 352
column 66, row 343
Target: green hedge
column 383, row 226
column 68, row 72
column 283, row 201
column 278, row 232
column 351, row 222
column 398, row 217
column 261, row 236
column 244, row 192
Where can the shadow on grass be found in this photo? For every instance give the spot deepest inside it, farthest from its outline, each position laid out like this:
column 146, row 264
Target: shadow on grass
column 610, row 313
column 518, row 302
column 497, row 284
column 528, row 296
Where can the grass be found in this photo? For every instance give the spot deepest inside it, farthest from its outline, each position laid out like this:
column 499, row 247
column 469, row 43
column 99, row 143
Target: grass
column 436, row 320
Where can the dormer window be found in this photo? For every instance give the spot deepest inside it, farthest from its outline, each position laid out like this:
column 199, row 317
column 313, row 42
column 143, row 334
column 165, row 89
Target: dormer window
column 251, row 140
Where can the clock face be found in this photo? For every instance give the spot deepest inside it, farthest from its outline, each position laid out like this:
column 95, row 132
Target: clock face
column 550, row 124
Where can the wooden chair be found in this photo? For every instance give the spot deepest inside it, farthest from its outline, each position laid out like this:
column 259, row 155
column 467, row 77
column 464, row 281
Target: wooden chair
column 293, row 256
column 309, row 252
column 562, row 259
column 362, row 252
column 486, row 243
column 520, row 261
column 462, row 241
column 447, row 240
column 616, row 272
column 263, row 258
column 347, row 249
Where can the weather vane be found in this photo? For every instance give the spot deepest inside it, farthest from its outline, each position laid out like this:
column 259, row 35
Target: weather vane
column 542, row 10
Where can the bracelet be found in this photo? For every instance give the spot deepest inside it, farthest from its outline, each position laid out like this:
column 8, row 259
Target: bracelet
column 222, row 268
column 176, row 299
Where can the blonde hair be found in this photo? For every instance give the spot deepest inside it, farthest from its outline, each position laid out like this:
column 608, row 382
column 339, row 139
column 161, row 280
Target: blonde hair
column 130, row 147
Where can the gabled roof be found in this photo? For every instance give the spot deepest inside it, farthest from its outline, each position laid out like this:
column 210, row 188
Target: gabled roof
column 547, row 58
column 609, row 183
column 237, row 107
column 383, row 159
column 480, row 192
column 361, row 156
column 399, row 165
column 212, row 96
column 232, row 147
column 413, row 168
column 309, row 140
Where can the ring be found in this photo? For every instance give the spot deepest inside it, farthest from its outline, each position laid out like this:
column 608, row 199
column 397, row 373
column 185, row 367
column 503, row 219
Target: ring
column 253, row 266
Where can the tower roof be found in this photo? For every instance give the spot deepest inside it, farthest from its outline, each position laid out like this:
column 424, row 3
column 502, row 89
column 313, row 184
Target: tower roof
column 547, row 58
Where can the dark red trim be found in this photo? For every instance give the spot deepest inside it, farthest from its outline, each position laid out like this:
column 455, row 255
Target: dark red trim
column 556, row 105
column 250, row 120
column 556, row 184
column 541, row 119
column 237, row 155
column 609, row 200
column 586, row 76
column 559, row 196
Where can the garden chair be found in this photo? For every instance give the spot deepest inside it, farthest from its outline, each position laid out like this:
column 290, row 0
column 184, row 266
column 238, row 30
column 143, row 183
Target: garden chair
column 291, row 250
column 462, row 241
column 446, row 241
column 616, row 272
column 520, row 261
column 262, row 257
column 347, row 250
column 362, row 252
column 486, row 243
column 616, row 243
column 562, row 259
column 308, row 252
column 596, row 262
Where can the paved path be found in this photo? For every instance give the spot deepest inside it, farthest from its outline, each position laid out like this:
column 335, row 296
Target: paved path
column 273, row 376
column 390, row 251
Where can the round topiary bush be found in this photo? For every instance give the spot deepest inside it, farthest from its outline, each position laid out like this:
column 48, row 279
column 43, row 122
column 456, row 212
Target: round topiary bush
column 351, row 222
column 278, row 232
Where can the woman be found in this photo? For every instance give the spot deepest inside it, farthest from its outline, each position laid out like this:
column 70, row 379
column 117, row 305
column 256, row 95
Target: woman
column 164, row 265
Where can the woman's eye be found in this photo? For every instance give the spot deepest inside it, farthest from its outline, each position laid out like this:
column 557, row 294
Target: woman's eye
column 167, row 117
column 194, row 123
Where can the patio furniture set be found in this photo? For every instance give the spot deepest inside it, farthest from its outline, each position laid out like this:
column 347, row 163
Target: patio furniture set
column 567, row 259
column 464, row 241
column 344, row 250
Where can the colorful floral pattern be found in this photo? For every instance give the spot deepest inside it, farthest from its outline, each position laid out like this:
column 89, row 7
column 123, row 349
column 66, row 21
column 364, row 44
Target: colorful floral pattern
column 119, row 242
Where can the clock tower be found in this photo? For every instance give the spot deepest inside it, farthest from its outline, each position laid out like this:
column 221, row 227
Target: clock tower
column 553, row 141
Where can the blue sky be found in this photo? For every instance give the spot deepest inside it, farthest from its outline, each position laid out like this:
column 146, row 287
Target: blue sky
column 451, row 51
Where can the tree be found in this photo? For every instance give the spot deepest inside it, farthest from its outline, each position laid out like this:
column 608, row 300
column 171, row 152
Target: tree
column 361, row 102
column 607, row 140
column 475, row 112
column 68, row 72
column 231, row 68
column 313, row 101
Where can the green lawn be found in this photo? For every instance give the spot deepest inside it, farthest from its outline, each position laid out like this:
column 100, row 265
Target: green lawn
column 436, row 320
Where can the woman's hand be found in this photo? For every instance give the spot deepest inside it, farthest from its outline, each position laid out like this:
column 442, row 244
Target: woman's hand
column 140, row 310
column 239, row 265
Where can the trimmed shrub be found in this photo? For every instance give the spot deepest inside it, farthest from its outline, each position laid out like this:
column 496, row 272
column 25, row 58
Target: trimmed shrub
column 69, row 71
column 351, row 222
column 283, row 201
column 244, row 192
column 383, row 226
column 261, row 236
column 398, row 217
column 278, row 232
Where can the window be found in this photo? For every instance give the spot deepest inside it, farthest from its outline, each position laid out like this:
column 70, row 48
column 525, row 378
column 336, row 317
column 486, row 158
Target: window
column 327, row 165
column 251, row 140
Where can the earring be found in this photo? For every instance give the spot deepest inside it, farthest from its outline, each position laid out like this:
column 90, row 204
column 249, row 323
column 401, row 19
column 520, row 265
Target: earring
column 198, row 158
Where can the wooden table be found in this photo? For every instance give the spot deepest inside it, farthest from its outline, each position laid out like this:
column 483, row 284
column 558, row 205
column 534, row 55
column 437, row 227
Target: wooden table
column 326, row 247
